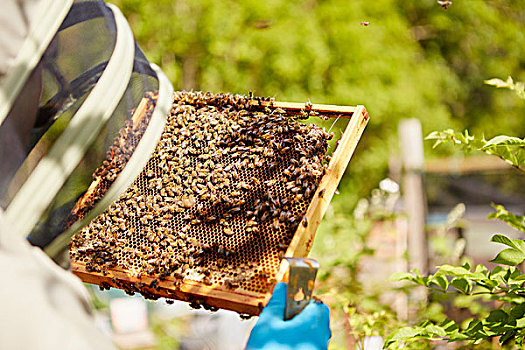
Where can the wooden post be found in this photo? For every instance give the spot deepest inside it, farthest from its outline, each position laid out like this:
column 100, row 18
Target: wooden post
column 411, row 142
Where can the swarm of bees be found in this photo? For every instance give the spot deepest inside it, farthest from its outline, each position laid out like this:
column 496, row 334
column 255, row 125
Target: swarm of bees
column 218, row 202
column 116, row 159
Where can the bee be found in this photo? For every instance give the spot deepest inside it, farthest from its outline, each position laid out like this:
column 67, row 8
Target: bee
column 178, row 275
column 195, row 304
column 263, row 275
column 445, row 4
column 245, row 186
column 230, row 285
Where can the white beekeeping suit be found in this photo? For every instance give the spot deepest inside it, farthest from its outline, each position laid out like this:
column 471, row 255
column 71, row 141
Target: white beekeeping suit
column 43, row 306
column 70, row 76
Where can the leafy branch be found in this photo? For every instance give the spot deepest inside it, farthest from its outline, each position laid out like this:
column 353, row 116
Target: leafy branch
column 504, row 284
column 515, row 221
column 510, row 149
column 518, row 87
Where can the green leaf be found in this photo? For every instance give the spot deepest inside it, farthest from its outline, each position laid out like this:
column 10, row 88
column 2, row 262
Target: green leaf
column 500, row 83
column 518, row 87
column 441, row 281
column 453, row 270
column 488, row 284
column 456, row 336
column 503, row 140
column 441, row 137
column 433, row 329
column 497, row 316
column 399, row 276
column 449, row 325
column 509, row 242
column 510, row 257
column 405, row 333
column 462, row 284
column 517, row 311
column 516, row 221
column 516, row 275
column 510, row 149
column 520, row 323
column 506, row 336
column 482, row 270
column 474, row 326
column 519, row 278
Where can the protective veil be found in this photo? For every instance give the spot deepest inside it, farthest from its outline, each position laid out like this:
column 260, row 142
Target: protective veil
column 71, row 110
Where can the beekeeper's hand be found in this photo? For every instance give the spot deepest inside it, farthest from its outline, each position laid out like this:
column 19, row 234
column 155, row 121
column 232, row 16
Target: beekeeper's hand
column 309, row 330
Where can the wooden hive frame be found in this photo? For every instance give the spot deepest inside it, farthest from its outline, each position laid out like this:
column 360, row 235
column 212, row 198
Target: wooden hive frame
column 242, row 301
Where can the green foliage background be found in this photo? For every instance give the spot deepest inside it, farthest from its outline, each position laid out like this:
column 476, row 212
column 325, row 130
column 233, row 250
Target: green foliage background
column 414, row 60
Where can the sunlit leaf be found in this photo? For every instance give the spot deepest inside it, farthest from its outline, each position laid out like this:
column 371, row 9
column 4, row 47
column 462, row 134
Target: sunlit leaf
column 516, row 221
column 499, row 83
column 510, row 257
column 441, row 281
column 433, row 329
column 453, row 270
column 503, row 140
column 399, row 276
column 516, row 244
column 462, row 284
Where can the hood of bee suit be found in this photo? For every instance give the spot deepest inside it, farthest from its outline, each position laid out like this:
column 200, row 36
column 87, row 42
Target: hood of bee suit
column 81, row 110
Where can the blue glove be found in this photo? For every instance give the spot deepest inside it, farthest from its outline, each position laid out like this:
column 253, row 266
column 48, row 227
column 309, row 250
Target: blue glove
column 309, row 330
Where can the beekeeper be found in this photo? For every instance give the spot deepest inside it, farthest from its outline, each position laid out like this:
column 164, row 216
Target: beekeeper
column 70, row 73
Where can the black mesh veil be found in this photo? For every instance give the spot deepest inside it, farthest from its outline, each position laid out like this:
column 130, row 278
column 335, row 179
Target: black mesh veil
column 91, row 111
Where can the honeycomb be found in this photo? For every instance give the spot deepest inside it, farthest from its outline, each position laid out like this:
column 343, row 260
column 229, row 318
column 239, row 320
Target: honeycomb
column 218, row 202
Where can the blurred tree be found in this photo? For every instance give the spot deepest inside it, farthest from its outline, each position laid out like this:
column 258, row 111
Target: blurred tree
column 300, row 50
column 476, row 40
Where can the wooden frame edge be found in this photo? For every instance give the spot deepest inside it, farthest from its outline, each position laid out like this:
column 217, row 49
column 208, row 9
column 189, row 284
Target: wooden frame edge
column 303, row 238
column 239, row 301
